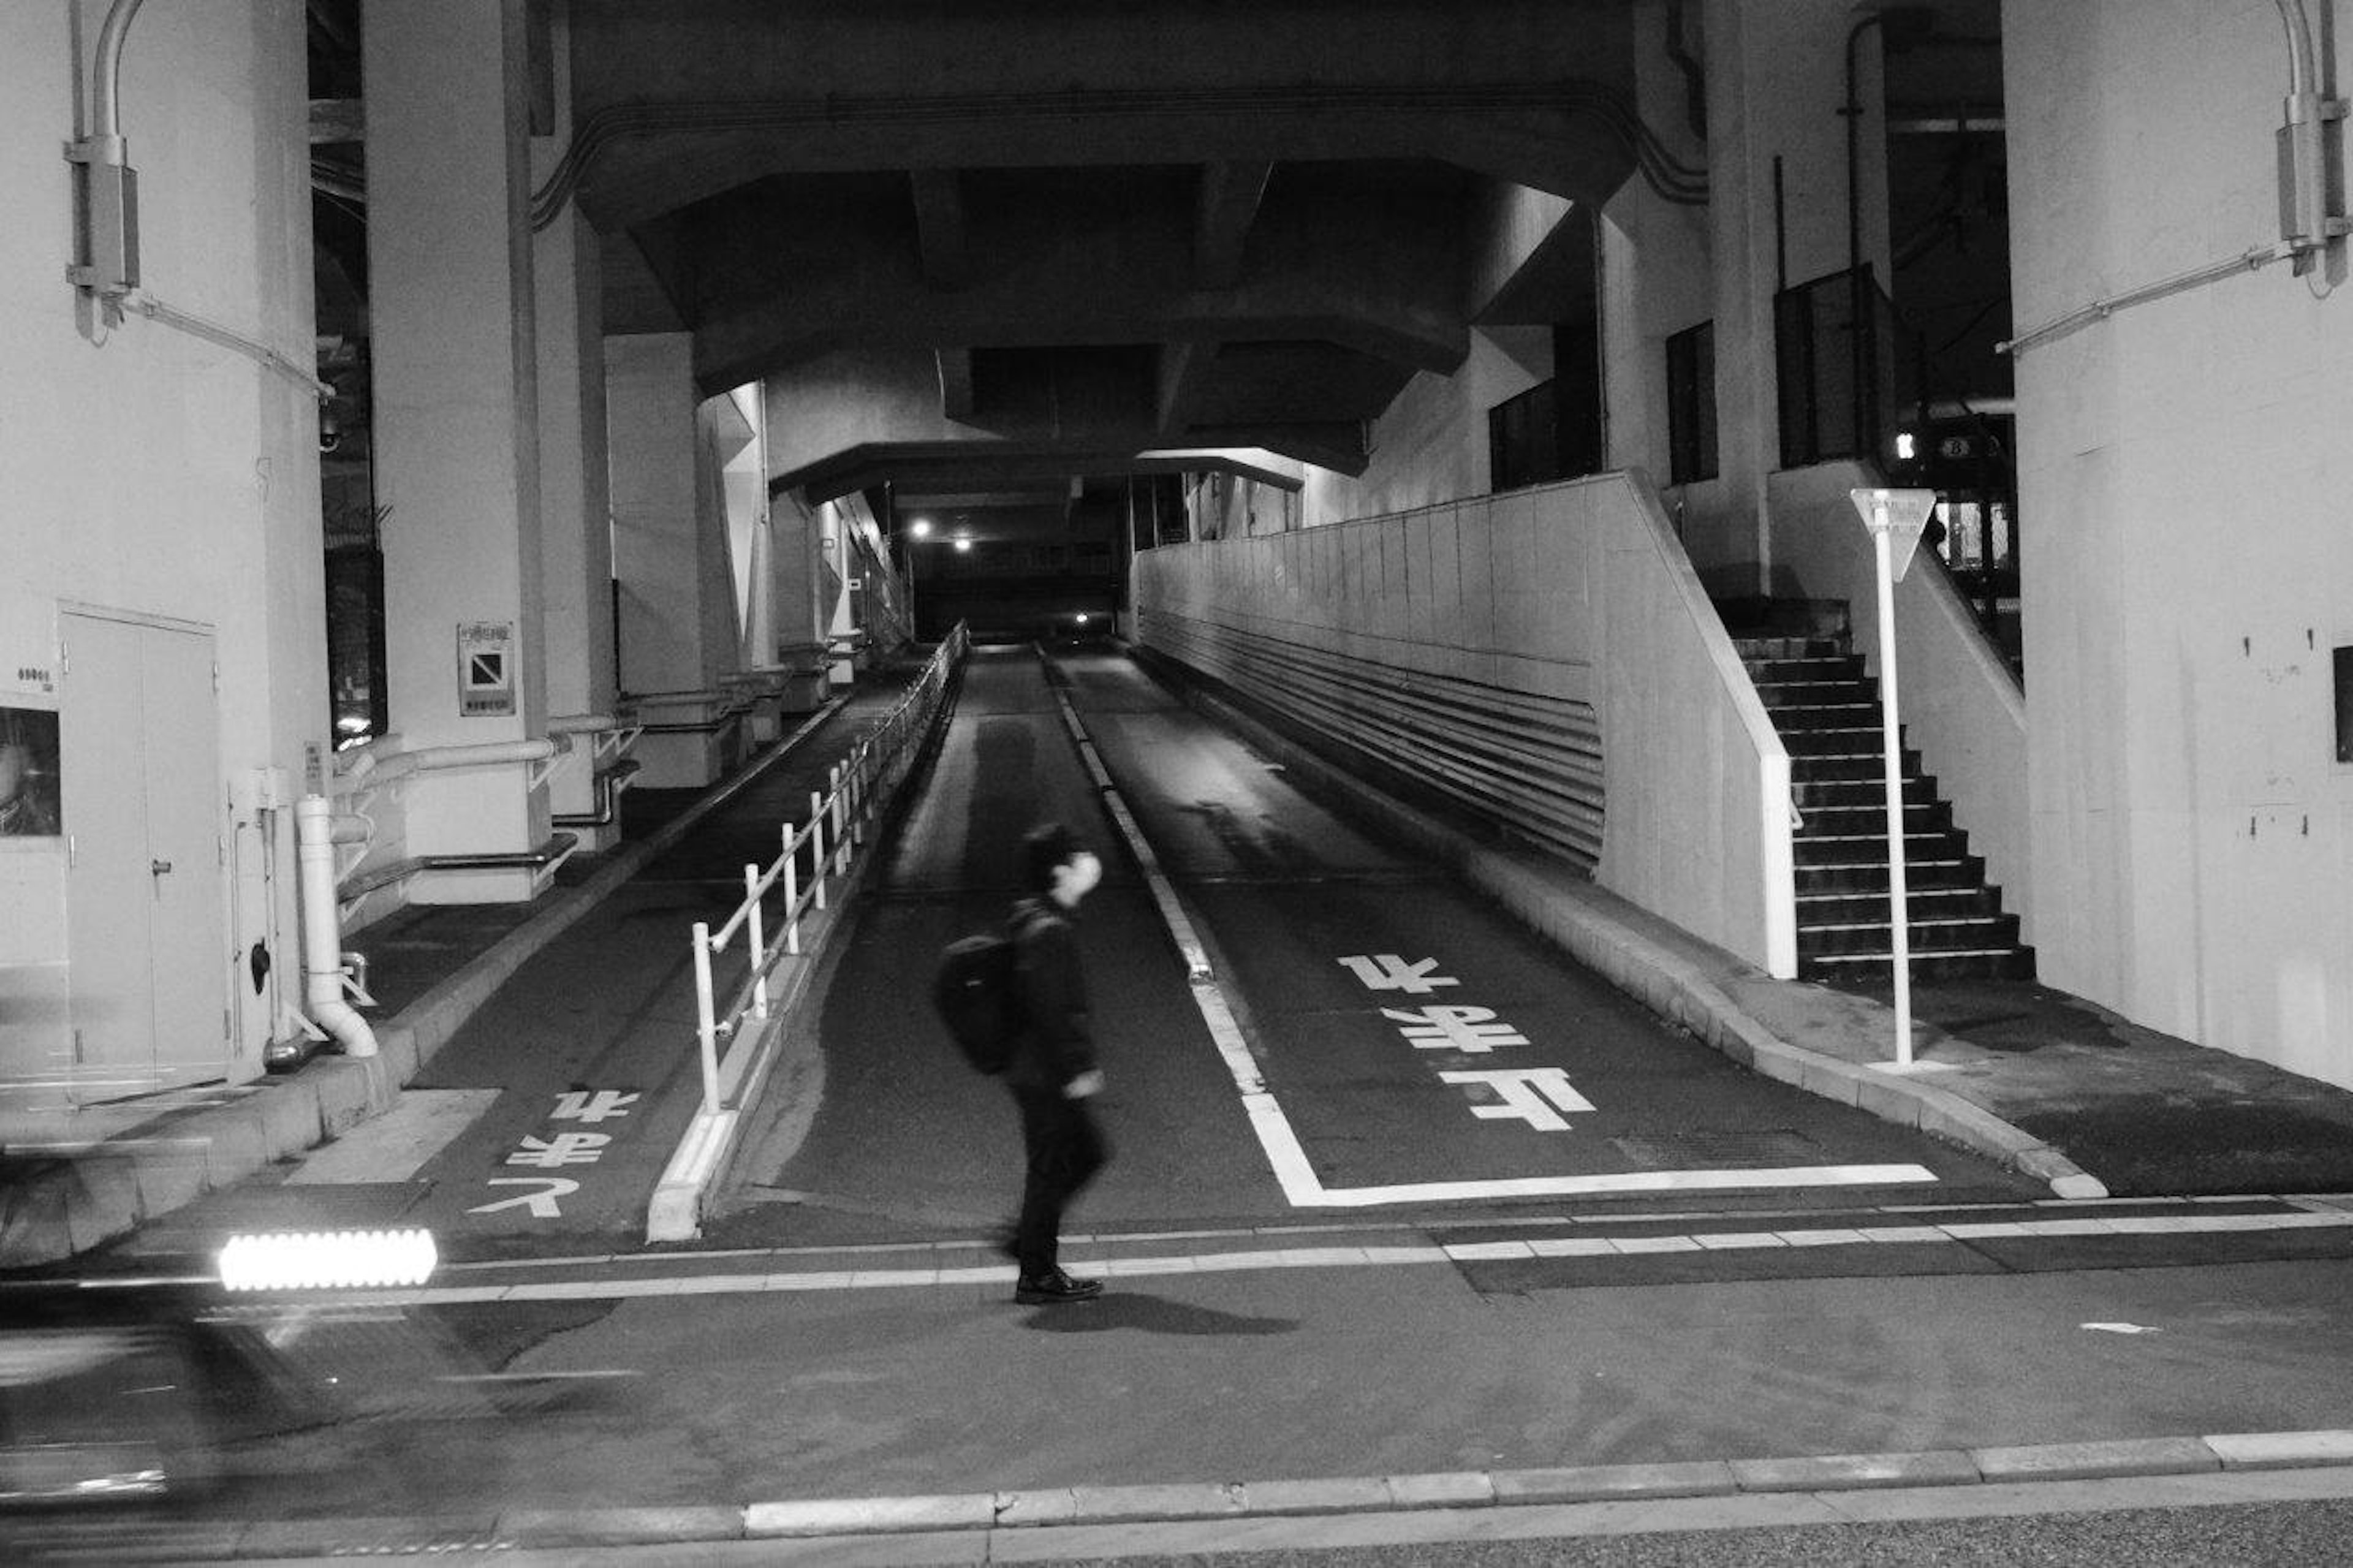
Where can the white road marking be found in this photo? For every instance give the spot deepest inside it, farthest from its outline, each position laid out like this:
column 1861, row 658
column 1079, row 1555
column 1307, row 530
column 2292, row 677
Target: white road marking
column 542, row 1203
column 1269, row 1259
column 1288, row 1159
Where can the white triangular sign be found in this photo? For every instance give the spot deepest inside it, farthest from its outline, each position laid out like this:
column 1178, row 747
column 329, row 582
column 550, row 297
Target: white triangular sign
column 1903, row 513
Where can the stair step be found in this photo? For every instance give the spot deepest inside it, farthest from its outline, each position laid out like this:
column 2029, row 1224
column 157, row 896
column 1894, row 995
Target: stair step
column 1818, row 716
column 1788, row 647
column 1812, row 691
column 1826, row 767
column 1869, row 818
column 1842, row 906
column 1872, row 971
column 1870, row 876
column 1973, row 933
column 1845, row 738
column 1838, row 794
column 1869, row 844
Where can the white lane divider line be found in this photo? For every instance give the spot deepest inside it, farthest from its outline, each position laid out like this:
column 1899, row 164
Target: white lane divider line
column 1287, row 1157
column 1376, row 1256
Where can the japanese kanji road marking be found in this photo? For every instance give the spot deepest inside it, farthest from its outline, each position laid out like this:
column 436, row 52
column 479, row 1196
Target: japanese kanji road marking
column 1388, row 972
column 592, row 1105
column 542, row 1203
column 564, row 1148
column 1472, row 1029
column 1534, row 1095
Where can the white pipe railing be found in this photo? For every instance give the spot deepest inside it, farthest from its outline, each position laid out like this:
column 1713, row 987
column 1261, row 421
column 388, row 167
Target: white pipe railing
column 835, row 830
column 367, row 773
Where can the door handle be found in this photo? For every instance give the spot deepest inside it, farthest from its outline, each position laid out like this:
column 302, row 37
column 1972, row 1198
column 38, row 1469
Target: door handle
column 157, row 867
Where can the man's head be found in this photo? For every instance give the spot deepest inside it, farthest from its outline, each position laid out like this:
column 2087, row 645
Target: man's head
column 1055, row 866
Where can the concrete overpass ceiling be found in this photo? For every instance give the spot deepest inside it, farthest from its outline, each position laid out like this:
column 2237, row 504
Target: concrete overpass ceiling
column 1112, row 229
column 1277, row 383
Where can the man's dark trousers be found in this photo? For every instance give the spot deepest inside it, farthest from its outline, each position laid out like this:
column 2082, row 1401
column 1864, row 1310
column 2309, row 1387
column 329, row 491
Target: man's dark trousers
column 1065, row 1150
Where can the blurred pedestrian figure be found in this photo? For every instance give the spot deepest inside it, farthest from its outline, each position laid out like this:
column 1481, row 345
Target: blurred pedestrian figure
column 1052, row 1071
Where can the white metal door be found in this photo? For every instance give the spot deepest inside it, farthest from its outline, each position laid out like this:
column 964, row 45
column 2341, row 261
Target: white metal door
column 185, row 814
column 138, row 760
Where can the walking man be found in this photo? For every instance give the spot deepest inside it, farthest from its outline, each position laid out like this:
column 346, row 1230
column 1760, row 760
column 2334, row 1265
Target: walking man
column 1052, row 1073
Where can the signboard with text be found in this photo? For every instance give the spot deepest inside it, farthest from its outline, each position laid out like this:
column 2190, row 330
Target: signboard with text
column 486, row 668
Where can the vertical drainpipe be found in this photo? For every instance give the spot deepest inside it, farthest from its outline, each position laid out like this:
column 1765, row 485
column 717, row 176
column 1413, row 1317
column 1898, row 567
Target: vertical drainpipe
column 322, row 937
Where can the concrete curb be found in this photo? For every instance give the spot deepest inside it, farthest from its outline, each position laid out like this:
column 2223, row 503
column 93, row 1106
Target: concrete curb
column 1590, row 1483
column 700, row 1162
column 83, row 1201
column 1668, row 982
column 1226, row 1501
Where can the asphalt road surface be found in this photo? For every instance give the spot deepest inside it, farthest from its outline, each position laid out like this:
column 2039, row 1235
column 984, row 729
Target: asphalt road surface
column 831, row 1336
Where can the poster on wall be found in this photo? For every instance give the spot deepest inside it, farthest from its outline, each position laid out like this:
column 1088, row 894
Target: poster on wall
column 486, row 672
column 29, row 803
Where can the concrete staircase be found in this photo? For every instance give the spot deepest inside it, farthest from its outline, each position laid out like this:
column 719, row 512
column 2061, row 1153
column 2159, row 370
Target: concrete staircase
column 1827, row 711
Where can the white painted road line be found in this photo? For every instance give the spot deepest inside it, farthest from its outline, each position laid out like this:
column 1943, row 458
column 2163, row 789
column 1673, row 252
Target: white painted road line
column 1287, row 1158
column 1165, row 1265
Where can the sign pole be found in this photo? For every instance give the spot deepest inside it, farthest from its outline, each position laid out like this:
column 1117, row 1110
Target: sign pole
column 1895, row 518
column 1898, row 900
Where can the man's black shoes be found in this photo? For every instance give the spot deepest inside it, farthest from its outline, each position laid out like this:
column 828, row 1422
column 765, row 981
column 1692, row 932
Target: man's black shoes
column 1054, row 1288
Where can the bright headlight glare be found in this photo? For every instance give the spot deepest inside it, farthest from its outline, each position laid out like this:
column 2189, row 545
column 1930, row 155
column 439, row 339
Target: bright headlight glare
column 328, row 1260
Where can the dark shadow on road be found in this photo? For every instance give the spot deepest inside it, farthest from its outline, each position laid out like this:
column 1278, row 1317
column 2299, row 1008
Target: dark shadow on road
column 1151, row 1315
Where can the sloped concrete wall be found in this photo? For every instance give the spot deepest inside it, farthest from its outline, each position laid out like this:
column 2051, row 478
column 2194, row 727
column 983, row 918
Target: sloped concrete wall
column 1546, row 657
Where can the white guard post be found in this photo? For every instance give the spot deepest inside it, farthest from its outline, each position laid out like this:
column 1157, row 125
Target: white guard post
column 1895, row 518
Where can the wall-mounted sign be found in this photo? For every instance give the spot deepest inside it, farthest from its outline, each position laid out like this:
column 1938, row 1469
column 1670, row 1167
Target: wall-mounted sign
column 486, row 668
column 28, row 646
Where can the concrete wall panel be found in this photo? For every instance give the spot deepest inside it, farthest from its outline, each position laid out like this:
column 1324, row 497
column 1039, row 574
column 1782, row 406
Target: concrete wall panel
column 2181, row 473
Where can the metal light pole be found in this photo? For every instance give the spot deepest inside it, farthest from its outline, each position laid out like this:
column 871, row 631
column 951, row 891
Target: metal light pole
column 1895, row 518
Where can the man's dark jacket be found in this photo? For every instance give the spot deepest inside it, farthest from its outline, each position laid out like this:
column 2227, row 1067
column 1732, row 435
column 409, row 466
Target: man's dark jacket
column 1055, row 1044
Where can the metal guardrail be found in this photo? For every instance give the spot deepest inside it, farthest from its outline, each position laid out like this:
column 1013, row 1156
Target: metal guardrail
column 830, row 840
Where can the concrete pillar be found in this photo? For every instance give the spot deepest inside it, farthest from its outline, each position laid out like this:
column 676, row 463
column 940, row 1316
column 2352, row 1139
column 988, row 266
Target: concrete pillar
column 2182, row 475
column 1776, row 79
column 456, row 423
column 678, row 635
column 795, row 541
column 575, row 511
column 1656, row 278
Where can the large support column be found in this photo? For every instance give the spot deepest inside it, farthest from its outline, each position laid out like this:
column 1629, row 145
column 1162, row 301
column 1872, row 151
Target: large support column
column 1776, row 81
column 575, row 511
column 456, row 424
column 2182, row 474
column 678, row 635
column 796, row 539
column 1656, row 278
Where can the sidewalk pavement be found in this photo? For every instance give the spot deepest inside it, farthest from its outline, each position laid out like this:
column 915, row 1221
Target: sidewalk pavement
column 65, row 1191
column 2045, row 1083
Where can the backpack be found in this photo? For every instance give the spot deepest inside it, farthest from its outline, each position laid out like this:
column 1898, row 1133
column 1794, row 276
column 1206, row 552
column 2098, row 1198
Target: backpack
column 979, row 998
